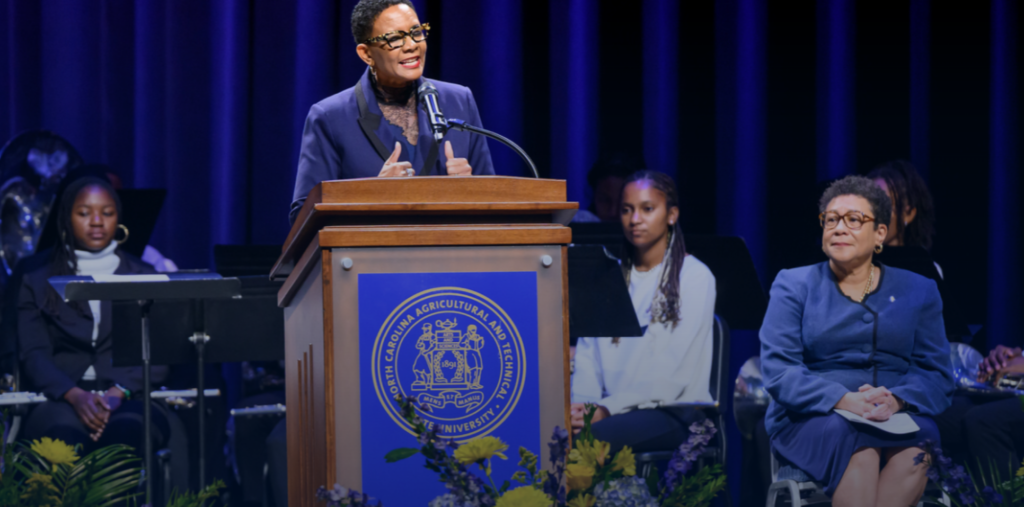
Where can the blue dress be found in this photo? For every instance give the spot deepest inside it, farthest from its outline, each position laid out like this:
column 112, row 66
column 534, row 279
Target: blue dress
column 817, row 344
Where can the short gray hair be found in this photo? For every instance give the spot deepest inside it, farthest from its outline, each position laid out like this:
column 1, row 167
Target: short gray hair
column 881, row 205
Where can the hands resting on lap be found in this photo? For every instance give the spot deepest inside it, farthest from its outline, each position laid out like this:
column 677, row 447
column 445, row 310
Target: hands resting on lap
column 871, row 403
column 94, row 409
column 578, row 410
column 1000, row 361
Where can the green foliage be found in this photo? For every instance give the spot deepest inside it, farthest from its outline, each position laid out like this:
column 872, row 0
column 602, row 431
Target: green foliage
column 697, row 490
column 105, row 477
column 189, row 499
column 400, row 454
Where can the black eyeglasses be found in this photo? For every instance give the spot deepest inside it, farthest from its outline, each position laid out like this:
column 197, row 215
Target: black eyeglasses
column 854, row 220
column 396, row 39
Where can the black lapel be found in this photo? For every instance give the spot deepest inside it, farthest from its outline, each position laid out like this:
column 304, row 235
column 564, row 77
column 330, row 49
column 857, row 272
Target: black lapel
column 369, row 123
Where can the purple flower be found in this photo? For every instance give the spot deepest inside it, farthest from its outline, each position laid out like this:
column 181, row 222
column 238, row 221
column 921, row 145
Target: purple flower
column 966, row 498
column 991, row 495
column 919, row 458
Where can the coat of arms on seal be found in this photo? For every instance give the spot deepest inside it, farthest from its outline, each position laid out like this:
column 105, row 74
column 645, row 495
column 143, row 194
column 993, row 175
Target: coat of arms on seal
column 459, row 353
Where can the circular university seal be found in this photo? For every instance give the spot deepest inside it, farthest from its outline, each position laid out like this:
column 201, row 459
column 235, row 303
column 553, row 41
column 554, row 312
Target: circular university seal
column 459, row 353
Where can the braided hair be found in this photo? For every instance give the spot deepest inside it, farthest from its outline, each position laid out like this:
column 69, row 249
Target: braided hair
column 909, row 191
column 666, row 308
column 63, row 261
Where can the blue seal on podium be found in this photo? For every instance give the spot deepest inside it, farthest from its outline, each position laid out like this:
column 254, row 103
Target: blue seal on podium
column 459, row 353
column 465, row 344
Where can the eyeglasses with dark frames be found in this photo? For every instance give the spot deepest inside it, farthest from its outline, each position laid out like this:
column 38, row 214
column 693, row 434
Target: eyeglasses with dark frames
column 854, row 220
column 396, row 39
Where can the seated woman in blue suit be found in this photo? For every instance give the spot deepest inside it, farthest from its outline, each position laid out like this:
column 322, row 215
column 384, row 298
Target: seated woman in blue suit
column 66, row 348
column 345, row 135
column 869, row 339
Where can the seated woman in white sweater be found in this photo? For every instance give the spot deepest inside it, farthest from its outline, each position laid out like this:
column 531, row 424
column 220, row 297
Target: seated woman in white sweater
column 634, row 381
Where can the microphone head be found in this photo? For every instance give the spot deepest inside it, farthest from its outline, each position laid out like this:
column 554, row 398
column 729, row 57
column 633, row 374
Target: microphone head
column 426, row 88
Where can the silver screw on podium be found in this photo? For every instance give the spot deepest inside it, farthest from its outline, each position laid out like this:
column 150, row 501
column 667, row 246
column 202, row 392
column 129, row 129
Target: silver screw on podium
column 546, row 260
column 346, row 263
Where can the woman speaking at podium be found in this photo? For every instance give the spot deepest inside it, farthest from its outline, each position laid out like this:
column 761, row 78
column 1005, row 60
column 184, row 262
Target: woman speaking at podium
column 375, row 128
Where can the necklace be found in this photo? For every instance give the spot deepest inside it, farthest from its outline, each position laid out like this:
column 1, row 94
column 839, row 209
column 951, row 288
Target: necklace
column 871, row 278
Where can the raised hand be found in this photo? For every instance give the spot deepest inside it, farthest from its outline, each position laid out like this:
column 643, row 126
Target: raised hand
column 392, row 167
column 456, row 166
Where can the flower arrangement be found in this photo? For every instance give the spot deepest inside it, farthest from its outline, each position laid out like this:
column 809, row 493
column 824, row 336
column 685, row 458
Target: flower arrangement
column 50, row 473
column 584, row 475
column 963, row 489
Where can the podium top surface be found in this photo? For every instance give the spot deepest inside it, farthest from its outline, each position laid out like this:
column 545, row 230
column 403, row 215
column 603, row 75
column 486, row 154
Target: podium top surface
column 425, row 200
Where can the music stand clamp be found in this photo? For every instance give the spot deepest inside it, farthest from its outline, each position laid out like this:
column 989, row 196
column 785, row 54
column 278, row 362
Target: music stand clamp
column 145, row 289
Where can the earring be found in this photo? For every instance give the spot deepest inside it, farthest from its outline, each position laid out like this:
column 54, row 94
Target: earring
column 878, row 249
column 373, row 72
column 121, row 241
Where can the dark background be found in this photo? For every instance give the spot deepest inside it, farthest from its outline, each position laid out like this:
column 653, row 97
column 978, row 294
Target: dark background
column 752, row 106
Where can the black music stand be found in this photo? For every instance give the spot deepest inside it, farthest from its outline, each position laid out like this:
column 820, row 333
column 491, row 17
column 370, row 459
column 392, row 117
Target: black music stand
column 740, row 301
column 144, row 289
column 599, row 303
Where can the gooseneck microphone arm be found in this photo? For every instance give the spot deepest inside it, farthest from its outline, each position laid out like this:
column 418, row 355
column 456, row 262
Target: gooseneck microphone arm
column 457, row 124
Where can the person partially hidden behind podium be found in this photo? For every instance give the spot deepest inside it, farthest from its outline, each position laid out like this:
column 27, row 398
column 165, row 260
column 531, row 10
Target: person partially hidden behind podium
column 847, row 334
column 345, row 135
column 636, row 381
column 66, row 348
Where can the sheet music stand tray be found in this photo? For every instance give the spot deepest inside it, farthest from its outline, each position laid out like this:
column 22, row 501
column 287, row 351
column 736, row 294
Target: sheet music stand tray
column 145, row 289
column 599, row 302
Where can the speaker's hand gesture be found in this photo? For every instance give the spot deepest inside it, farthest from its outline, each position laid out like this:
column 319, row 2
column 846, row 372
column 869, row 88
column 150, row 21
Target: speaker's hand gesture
column 392, row 167
column 456, row 166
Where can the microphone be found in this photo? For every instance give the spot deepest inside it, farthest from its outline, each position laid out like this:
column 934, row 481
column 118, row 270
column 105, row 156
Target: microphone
column 427, row 96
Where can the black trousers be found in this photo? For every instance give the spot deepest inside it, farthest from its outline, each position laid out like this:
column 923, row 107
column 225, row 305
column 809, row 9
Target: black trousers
column 983, row 429
column 647, row 430
column 58, row 420
column 277, row 457
column 250, row 444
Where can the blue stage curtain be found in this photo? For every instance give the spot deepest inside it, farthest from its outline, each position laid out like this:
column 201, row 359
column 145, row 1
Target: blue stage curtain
column 920, row 36
column 1004, row 299
column 836, row 156
column 660, row 87
column 573, row 94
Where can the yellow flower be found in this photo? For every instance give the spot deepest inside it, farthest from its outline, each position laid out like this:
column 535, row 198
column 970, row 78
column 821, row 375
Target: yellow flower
column 480, row 449
column 55, row 451
column 1020, row 472
column 39, row 490
column 592, row 453
column 625, row 461
column 583, row 501
column 525, row 496
column 579, row 476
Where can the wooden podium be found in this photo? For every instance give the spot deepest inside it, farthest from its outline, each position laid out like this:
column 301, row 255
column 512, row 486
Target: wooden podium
column 453, row 289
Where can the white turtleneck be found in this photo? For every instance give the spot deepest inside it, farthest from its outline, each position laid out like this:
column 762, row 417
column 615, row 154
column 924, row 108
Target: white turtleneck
column 104, row 262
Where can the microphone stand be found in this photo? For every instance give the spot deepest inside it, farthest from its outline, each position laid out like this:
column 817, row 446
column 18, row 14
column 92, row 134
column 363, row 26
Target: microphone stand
column 465, row 127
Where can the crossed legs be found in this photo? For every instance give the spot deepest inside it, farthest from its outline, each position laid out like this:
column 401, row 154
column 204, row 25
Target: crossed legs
column 899, row 484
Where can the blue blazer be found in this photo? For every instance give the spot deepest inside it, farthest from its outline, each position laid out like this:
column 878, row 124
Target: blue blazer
column 346, row 136
column 817, row 344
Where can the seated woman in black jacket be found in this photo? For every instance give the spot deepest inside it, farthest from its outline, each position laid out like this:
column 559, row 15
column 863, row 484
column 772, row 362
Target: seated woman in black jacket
column 65, row 348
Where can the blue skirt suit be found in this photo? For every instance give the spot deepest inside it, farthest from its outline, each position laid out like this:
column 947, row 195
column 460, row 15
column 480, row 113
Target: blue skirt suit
column 817, row 344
